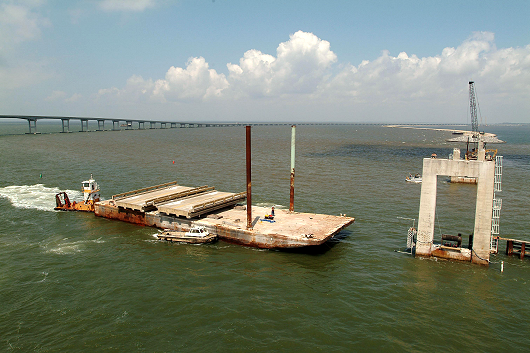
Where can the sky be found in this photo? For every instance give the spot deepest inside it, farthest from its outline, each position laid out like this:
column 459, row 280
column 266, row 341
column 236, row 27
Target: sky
column 266, row 61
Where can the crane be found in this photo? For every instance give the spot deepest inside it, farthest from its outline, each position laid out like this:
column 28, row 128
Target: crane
column 473, row 108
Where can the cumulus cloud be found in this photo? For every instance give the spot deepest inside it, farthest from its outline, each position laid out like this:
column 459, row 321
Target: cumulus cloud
column 136, row 89
column 197, row 81
column 126, row 5
column 404, row 77
column 302, row 70
column 300, row 66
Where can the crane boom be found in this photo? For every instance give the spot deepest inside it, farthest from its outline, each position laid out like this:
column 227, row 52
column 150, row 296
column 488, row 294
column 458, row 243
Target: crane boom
column 473, row 107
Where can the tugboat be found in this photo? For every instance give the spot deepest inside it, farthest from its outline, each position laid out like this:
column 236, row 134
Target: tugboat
column 90, row 197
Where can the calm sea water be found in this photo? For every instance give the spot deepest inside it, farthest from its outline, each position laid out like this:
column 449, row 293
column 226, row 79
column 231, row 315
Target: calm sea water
column 74, row 282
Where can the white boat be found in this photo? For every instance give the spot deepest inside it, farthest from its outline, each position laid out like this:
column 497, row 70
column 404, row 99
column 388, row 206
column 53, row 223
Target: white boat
column 413, row 179
column 195, row 235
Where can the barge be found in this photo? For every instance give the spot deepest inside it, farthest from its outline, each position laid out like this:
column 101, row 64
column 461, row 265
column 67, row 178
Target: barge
column 180, row 208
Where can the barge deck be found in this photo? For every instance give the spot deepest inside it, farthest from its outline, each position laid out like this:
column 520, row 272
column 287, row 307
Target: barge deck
column 288, row 230
column 179, row 208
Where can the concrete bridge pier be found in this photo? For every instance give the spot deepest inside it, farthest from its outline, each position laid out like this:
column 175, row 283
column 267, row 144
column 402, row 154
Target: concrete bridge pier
column 84, row 124
column 101, row 125
column 141, row 125
column 162, row 125
column 152, row 125
column 32, row 125
column 484, row 171
column 65, row 124
column 115, row 125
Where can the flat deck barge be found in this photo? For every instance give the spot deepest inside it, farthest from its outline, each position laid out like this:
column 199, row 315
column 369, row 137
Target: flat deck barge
column 175, row 207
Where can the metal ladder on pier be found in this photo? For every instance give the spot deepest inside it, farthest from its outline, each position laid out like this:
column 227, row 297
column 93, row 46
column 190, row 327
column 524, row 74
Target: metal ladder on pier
column 497, row 205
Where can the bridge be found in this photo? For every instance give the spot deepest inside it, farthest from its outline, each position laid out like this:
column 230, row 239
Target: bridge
column 139, row 124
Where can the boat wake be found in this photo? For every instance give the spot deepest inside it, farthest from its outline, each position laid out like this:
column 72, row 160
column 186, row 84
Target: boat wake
column 69, row 248
column 37, row 196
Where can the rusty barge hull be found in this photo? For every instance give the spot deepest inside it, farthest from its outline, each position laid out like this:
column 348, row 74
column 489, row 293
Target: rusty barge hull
column 289, row 230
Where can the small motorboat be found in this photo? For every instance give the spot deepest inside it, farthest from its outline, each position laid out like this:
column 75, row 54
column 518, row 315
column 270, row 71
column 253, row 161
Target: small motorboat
column 196, row 235
column 413, row 179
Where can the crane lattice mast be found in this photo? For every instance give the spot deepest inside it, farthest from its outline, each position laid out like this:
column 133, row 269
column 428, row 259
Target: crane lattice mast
column 473, row 108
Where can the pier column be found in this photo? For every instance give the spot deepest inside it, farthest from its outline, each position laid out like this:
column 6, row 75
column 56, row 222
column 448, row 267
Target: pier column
column 483, row 213
column 84, row 123
column 141, row 125
column 32, row 125
column 427, row 214
column 173, row 125
column 115, row 125
column 152, row 125
column 67, row 125
column 101, row 124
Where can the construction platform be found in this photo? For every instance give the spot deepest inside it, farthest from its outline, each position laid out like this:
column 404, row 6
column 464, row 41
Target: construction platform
column 517, row 247
column 175, row 207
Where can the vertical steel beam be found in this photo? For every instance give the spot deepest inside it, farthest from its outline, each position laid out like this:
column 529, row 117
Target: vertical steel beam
column 291, row 194
column 249, row 180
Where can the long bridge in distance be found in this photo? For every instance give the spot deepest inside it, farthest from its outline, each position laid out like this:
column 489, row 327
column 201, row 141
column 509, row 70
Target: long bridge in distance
column 140, row 124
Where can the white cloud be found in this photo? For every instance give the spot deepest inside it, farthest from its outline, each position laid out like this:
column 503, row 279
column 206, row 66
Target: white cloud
column 74, row 98
column 126, row 5
column 19, row 21
column 22, row 73
column 302, row 71
column 55, row 95
column 301, row 65
column 407, row 78
column 194, row 82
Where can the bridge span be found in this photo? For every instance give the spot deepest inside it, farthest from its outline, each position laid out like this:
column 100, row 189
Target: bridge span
column 138, row 124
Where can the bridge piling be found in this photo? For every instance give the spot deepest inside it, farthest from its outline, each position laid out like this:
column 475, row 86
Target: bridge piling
column 101, row 125
column 84, row 123
column 34, row 127
column 67, row 125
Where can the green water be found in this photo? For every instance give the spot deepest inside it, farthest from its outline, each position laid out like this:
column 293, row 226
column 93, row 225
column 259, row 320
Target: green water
column 74, row 282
